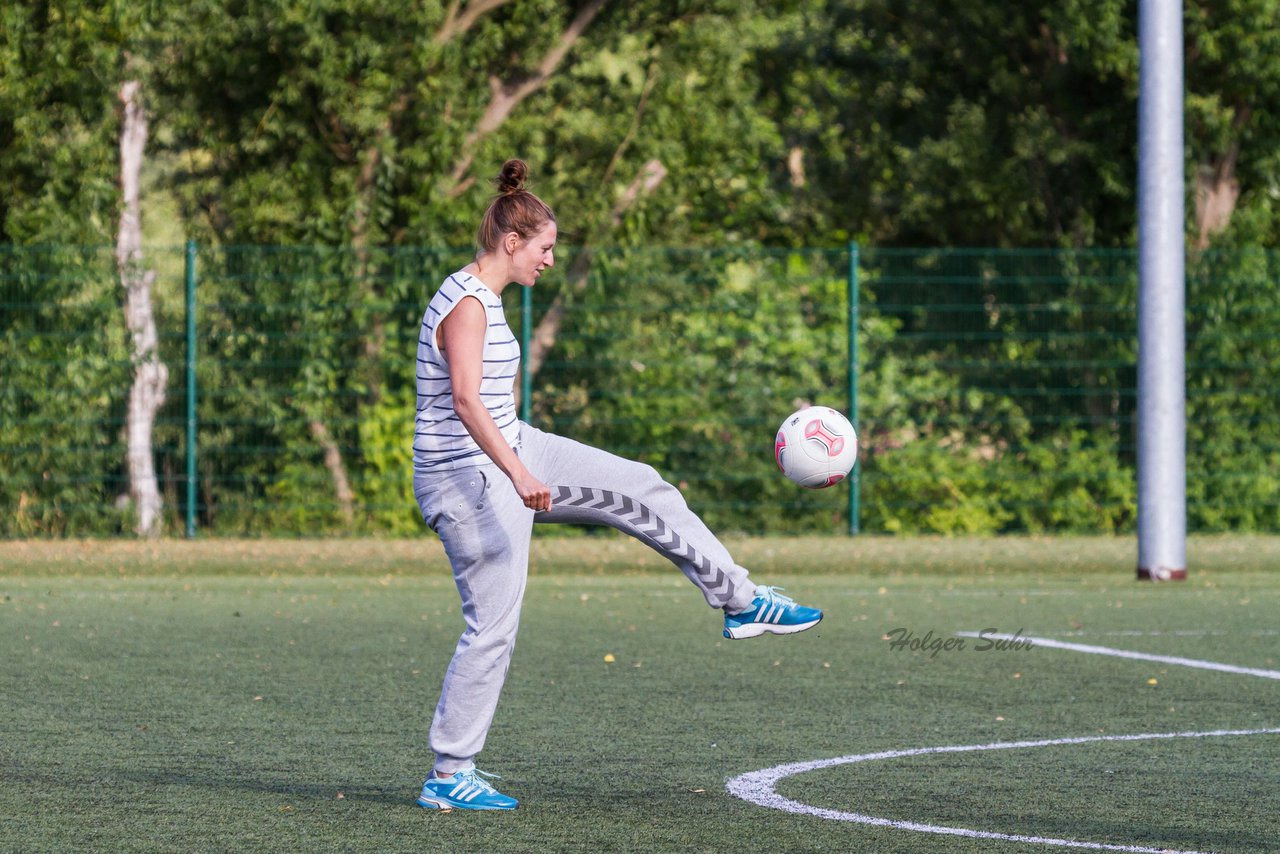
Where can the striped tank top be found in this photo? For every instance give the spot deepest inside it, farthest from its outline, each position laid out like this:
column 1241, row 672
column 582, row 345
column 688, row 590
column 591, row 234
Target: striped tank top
column 440, row 440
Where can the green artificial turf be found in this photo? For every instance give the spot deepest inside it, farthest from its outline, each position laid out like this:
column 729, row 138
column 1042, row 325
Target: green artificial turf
column 275, row 696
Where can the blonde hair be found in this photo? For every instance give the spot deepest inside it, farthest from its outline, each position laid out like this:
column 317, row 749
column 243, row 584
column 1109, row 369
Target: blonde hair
column 515, row 209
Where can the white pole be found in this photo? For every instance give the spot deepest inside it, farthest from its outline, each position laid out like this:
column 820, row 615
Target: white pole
column 1162, row 438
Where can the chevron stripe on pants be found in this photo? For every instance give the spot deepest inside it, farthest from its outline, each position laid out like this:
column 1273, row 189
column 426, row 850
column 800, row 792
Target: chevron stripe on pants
column 486, row 530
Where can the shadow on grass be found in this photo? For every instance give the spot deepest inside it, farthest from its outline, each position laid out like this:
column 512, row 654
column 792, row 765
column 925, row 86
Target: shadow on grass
column 344, row 790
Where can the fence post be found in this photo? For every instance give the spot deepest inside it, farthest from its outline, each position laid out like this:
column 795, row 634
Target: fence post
column 526, row 339
column 191, row 389
column 855, row 480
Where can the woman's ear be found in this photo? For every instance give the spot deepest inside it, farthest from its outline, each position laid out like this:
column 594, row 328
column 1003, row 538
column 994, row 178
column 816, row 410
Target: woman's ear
column 511, row 242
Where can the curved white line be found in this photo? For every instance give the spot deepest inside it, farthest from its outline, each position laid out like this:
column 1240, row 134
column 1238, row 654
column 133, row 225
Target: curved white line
column 758, row 787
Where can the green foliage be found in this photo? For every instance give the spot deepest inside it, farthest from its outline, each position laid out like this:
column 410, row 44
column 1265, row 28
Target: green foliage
column 299, row 501
column 283, row 338
column 60, row 65
column 996, row 403
column 66, row 370
column 941, row 486
column 314, row 123
column 799, row 123
column 1233, row 429
column 1069, row 484
column 695, row 376
column 960, row 123
column 386, row 466
column 321, row 123
column 925, row 487
column 1232, row 112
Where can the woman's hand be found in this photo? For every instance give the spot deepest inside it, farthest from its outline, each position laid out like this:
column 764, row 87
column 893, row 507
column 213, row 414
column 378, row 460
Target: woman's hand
column 535, row 494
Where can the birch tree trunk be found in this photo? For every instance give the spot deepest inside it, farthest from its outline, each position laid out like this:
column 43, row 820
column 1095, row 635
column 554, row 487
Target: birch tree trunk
column 1217, row 189
column 150, row 375
column 333, row 462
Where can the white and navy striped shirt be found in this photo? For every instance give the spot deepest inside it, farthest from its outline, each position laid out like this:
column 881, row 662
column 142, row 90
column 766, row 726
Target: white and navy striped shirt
column 440, row 439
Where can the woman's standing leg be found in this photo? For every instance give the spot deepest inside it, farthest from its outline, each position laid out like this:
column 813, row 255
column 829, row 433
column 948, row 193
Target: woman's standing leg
column 485, row 530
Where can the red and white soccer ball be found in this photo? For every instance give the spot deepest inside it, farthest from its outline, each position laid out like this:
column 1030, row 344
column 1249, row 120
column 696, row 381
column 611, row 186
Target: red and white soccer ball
column 816, row 447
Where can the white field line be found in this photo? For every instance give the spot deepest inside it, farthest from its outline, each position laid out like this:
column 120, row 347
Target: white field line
column 1125, row 653
column 1179, row 633
column 758, row 787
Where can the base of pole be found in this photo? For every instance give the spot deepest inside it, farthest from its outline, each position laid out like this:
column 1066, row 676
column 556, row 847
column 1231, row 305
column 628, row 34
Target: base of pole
column 1161, row 574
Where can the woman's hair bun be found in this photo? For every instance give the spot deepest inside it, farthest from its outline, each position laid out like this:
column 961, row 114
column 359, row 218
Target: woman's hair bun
column 513, row 176
column 514, row 209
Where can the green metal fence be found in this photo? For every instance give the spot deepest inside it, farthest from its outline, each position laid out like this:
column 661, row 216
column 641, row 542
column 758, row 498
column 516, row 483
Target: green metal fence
column 994, row 390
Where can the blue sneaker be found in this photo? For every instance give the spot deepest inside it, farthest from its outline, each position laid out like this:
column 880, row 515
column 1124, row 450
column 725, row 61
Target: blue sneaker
column 463, row 790
column 770, row 612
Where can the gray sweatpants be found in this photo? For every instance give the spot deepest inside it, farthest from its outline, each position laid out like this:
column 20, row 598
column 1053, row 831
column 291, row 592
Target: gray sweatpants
column 486, row 530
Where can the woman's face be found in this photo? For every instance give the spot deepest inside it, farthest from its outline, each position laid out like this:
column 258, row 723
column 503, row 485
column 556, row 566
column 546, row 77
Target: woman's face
column 530, row 257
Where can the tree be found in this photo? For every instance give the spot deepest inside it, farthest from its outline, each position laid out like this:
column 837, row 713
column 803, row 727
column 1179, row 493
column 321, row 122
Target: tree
column 147, row 392
column 58, row 127
column 1233, row 124
column 303, row 123
column 958, row 123
column 66, row 366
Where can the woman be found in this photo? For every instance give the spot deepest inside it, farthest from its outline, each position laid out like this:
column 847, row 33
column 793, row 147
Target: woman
column 482, row 478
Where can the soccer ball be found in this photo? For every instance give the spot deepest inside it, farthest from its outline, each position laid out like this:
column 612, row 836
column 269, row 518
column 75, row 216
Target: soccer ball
column 816, row 447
